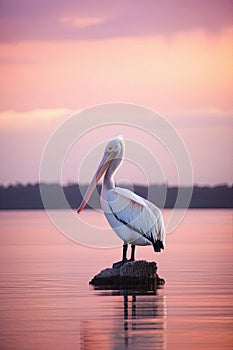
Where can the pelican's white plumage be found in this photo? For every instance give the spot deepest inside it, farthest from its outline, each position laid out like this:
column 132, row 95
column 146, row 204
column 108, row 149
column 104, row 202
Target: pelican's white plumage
column 134, row 219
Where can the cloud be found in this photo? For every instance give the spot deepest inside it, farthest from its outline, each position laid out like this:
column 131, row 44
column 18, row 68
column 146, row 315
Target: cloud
column 15, row 60
column 40, row 119
column 209, row 118
column 75, row 20
column 82, row 22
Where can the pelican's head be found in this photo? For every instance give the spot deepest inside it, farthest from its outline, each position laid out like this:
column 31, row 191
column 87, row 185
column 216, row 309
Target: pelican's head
column 113, row 155
column 115, row 147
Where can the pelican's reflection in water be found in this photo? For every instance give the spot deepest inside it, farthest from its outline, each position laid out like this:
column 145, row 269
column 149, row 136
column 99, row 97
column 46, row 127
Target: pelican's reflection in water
column 128, row 320
column 144, row 321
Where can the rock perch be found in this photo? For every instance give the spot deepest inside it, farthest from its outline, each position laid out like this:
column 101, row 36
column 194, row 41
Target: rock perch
column 133, row 274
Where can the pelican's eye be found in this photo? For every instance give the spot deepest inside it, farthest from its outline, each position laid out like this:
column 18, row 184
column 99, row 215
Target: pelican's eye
column 110, row 149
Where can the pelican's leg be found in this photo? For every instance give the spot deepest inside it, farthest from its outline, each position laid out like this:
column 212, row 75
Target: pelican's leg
column 125, row 247
column 132, row 252
column 124, row 257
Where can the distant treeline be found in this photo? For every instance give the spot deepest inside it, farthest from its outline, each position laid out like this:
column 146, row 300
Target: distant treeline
column 29, row 197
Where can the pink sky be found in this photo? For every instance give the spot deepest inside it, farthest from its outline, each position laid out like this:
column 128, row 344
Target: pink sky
column 171, row 56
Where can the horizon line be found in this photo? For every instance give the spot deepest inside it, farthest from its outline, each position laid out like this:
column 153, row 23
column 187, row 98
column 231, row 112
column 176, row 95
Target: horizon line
column 20, row 184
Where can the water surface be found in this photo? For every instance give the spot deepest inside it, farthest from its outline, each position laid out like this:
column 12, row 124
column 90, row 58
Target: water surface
column 47, row 303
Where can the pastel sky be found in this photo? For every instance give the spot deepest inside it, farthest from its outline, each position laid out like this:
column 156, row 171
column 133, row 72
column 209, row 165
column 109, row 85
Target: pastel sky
column 62, row 56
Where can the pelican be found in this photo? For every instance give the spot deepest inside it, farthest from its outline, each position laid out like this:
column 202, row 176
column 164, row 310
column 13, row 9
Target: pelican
column 134, row 219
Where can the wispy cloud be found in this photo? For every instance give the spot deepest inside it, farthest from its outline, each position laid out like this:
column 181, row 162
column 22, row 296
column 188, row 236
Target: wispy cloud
column 74, row 20
column 82, row 22
column 17, row 61
column 39, row 119
column 209, row 118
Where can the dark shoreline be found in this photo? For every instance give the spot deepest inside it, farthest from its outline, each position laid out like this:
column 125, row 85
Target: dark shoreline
column 28, row 196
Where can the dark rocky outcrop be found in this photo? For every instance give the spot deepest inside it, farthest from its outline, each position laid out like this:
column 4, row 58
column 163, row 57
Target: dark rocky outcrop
column 132, row 274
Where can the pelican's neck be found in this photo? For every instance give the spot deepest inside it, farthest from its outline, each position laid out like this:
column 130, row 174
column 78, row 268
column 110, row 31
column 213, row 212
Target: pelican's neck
column 109, row 182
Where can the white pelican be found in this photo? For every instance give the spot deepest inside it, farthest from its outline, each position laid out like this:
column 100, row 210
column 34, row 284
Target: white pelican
column 134, row 219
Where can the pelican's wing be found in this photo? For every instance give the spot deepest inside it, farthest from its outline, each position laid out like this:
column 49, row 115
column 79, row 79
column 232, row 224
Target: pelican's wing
column 134, row 212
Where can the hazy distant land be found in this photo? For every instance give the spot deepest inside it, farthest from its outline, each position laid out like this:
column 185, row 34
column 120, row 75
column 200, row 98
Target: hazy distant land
column 28, row 196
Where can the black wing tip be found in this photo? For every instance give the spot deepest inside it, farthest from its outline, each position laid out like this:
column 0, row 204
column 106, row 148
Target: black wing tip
column 158, row 245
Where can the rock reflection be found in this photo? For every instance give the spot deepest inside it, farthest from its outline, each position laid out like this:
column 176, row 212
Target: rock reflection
column 134, row 320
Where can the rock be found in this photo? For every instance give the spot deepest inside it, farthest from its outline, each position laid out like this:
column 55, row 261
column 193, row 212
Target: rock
column 132, row 274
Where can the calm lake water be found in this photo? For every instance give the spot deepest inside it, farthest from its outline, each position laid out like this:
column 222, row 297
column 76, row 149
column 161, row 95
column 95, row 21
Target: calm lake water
column 47, row 303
